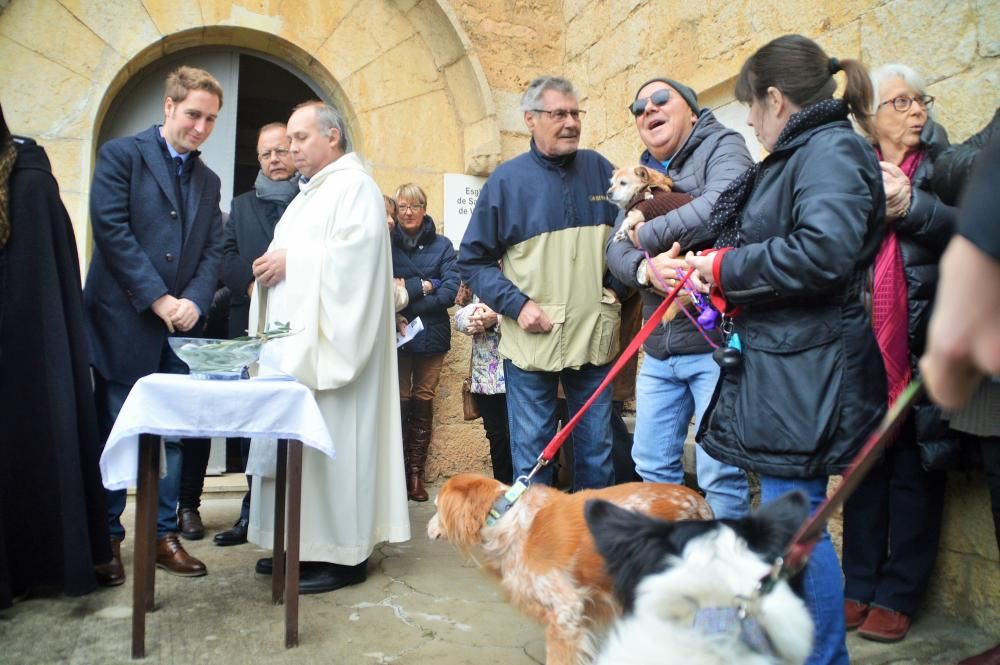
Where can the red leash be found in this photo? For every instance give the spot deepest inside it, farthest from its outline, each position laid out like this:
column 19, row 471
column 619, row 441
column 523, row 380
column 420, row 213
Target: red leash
column 647, row 329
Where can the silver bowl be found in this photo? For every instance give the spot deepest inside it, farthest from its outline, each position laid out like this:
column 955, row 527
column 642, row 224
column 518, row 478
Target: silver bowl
column 216, row 359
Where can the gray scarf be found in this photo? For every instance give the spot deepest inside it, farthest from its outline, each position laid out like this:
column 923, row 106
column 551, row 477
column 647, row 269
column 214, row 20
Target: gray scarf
column 279, row 191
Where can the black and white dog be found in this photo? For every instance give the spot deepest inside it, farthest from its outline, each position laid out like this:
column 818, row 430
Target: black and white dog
column 691, row 591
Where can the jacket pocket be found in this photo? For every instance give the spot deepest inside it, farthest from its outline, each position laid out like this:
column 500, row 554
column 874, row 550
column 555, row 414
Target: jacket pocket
column 790, row 403
column 792, row 329
column 537, row 351
column 605, row 341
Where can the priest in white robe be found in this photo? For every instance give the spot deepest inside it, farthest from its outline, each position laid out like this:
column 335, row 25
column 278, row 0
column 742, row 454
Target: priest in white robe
column 328, row 273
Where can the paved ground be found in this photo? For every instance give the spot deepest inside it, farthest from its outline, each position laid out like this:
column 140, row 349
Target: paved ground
column 420, row 606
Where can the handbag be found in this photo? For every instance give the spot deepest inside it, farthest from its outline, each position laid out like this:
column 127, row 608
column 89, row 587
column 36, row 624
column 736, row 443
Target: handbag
column 470, row 408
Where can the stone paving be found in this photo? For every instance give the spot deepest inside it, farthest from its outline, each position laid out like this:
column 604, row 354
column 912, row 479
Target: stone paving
column 420, row 606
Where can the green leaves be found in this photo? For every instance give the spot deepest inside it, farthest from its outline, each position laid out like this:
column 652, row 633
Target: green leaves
column 228, row 355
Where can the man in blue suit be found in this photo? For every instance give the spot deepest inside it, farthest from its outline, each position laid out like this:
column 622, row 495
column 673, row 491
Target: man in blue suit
column 154, row 208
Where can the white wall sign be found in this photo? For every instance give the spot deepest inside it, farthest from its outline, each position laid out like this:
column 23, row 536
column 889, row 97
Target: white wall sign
column 460, row 195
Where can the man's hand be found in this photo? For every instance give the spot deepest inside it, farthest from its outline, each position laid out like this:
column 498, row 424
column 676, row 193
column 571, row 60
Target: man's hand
column 963, row 339
column 633, row 234
column 665, row 265
column 186, row 315
column 164, row 307
column 269, row 269
column 897, row 191
column 533, row 318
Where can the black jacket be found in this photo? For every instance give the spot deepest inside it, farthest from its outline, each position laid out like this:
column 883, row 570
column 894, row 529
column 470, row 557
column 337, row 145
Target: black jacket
column 248, row 234
column 953, row 167
column 433, row 258
column 811, row 386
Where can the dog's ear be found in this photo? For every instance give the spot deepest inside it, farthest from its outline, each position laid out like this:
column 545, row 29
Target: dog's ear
column 635, row 545
column 642, row 172
column 771, row 527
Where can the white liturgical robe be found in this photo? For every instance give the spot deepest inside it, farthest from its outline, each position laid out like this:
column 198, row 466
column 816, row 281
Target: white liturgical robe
column 337, row 292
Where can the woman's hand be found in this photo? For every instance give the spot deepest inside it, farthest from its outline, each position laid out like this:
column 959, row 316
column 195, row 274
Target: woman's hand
column 401, row 324
column 481, row 319
column 702, row 278
column 897, row 191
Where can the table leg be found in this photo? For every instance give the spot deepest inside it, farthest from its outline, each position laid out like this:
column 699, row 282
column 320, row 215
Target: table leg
column 278, row 547
column 143, row 571
column 294, row 513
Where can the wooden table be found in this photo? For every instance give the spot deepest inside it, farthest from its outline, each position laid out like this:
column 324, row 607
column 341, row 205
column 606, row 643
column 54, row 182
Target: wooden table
column 186, row 405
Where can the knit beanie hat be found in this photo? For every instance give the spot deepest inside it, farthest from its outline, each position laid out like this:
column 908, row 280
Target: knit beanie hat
column 685, row 92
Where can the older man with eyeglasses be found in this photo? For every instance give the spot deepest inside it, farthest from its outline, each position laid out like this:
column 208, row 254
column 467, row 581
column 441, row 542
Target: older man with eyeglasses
column 248, row 233
column 545, row 216
column 678, row 374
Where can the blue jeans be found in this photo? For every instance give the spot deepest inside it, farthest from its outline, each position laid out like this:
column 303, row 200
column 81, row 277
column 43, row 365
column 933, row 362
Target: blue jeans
column 109, row 397
column 531, row 417
column 822, row 582
column 668, row 392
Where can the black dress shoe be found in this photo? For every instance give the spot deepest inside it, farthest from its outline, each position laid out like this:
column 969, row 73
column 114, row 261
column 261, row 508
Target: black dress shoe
column 264, row 566
column 189, row 522
column 320, row 577
column 235, row 536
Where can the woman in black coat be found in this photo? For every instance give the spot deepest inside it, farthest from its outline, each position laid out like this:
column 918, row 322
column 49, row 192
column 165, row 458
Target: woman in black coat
column 426, row 263
column 800, row 230
column 53, row 516
column 893, row 520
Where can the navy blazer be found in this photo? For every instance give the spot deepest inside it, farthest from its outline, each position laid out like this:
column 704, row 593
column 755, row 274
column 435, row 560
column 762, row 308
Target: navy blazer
column 142, row 251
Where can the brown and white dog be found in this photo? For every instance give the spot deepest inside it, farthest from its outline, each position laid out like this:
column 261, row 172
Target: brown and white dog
column 634, row 188
column 543, row 554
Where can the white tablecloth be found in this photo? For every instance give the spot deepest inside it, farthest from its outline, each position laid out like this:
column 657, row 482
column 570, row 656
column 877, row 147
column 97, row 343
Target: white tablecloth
column 179, row 406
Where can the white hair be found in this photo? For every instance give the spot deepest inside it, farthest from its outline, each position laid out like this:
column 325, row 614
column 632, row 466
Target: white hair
column 895, row 71
column 532, row 97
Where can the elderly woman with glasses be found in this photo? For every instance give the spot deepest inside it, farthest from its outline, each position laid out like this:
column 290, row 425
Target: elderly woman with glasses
column 893, row 520
column 426, row 262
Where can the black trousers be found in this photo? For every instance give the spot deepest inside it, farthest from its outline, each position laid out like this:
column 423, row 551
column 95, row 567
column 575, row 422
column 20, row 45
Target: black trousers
column 892, row 523
column 990, row 451
column 194, row 461
column 493, row 409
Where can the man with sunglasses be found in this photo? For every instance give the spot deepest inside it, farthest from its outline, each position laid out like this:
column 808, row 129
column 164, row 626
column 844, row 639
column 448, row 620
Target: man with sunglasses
column 546, row 216
column 678, row 374
column 248, row 233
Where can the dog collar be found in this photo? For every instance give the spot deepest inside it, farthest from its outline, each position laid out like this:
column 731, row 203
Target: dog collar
column 719, row 620
column 506, row 502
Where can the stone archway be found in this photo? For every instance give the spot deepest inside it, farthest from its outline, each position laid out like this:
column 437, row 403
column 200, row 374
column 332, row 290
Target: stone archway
column 403, row 71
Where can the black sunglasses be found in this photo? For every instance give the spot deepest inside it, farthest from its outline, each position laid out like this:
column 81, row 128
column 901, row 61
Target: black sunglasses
column 658, row 98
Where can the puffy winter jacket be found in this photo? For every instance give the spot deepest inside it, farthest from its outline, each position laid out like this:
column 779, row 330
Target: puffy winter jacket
column 711, row 158
column 432, row 259
column 811, row 385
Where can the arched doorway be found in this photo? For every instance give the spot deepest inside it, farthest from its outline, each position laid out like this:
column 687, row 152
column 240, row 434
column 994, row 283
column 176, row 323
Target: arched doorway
column 257, row 89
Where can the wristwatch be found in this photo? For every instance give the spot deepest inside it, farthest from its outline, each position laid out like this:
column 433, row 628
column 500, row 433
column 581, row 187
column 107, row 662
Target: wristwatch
column 640, row 274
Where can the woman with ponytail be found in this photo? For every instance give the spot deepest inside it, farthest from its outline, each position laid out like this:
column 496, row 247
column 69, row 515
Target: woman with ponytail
column 802, row 382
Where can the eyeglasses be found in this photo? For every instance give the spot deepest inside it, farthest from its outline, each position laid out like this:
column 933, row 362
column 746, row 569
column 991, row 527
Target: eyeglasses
column 658, row 98
column 560, row 115
column 903, row 103
column 410, row 208
column 279, row 152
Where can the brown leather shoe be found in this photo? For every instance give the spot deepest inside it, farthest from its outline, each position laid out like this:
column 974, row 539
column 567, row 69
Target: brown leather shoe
column 189, row 521
column 111, row 573
column 171, row 557
column 854, row 613
column 988, row 657
column 884, row 625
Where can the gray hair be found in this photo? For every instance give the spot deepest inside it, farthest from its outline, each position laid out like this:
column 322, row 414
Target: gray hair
column 328, row 118
column 895, row 71
column 532, row 97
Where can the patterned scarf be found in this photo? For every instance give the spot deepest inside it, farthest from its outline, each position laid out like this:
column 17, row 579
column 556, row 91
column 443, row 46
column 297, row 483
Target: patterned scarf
column 8, row 155
column 890, row 298
column 725, row 218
